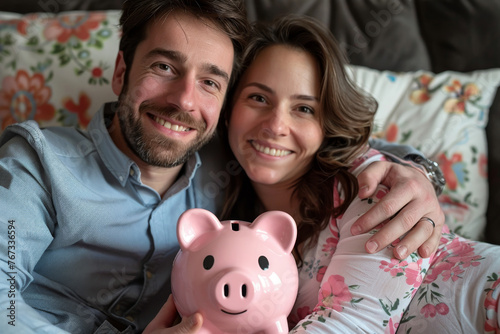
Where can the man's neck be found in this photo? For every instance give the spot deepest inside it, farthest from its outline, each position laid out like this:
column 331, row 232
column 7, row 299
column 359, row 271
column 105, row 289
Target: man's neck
column 158, row 178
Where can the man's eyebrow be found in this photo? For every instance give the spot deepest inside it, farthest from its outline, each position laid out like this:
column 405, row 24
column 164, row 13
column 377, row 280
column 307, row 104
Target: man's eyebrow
column 181, row 58
column 174, row 55
column 215, row 70
column 271, row 91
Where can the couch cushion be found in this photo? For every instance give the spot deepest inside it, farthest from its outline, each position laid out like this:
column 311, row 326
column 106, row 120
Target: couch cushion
column 444, row 116
column 380, row 34
column 461, row 35
column 493, row 136
column 56, row 69
column 469, row 42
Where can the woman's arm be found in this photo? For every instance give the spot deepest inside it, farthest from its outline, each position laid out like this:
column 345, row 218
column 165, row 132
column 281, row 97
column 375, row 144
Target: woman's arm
column 358, row 291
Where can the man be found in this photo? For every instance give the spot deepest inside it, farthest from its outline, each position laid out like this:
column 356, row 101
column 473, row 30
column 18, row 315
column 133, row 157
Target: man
column 94, row 213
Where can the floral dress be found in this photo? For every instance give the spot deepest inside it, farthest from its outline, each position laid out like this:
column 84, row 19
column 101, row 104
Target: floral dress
column 343, row 289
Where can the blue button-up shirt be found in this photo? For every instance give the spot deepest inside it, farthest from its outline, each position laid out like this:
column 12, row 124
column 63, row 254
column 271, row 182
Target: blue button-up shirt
column 82, row 240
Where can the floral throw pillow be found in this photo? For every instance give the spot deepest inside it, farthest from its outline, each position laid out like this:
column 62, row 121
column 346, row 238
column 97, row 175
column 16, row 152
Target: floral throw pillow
column 444, row 116
column 56, row 69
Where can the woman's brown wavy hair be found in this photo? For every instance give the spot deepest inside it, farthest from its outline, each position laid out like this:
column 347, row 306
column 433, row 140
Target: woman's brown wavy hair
column 346, row 119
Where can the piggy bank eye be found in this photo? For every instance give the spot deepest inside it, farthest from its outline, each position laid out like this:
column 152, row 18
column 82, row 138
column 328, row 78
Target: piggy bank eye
column 263, row 263
column 208, row 262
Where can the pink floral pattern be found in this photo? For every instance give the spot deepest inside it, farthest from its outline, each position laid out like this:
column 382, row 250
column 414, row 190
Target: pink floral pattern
column 491, row 304
column 334, row 293
column 411, row 270
column 458, row 262
column 392, row 326
column 448, row 265
column 430, row 310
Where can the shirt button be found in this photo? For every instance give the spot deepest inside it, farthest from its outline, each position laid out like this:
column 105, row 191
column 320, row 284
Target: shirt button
column 132, row 172
column 130, row 318
column 149, row 274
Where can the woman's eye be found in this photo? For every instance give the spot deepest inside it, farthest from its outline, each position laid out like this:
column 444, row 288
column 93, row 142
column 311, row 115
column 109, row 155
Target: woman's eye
column 258, row 98
column 306, row 110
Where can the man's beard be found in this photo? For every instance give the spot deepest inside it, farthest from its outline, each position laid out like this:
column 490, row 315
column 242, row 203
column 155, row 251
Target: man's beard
column 155, row 149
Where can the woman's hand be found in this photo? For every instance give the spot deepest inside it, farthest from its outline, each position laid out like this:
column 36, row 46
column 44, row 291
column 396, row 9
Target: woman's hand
column 411, row 197
column 162, row 323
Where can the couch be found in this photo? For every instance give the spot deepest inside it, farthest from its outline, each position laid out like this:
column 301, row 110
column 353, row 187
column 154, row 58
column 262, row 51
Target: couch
column 433, row 65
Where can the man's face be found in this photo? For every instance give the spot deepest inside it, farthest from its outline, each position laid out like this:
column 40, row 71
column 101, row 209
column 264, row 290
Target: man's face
column 170, row 104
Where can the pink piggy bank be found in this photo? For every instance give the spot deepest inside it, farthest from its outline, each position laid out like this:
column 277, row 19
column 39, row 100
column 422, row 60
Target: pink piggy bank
column 241, row 277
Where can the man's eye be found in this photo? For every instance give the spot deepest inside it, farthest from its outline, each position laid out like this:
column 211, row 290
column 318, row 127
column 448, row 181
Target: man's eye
column 163, row 67
column 211, row 83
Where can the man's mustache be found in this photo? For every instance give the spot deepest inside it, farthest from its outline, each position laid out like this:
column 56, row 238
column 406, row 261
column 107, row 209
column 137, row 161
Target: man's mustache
column 172, row 113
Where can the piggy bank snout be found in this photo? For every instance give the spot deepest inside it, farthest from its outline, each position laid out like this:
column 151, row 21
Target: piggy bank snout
column 234, row 292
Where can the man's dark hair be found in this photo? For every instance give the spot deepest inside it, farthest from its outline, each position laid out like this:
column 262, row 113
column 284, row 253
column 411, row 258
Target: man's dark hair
column 228, row 15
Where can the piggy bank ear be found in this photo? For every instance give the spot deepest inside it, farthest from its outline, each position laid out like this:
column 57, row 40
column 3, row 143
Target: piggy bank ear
column 280, row 225
column 194, row 223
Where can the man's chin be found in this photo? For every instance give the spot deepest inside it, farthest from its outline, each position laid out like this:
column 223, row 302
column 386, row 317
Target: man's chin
column 168, row 157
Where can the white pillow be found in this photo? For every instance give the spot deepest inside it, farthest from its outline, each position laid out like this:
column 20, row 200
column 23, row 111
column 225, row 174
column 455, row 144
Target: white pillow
column 444, row 116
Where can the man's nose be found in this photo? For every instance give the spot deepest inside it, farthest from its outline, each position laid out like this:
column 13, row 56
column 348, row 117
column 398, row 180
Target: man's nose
column 183, row 93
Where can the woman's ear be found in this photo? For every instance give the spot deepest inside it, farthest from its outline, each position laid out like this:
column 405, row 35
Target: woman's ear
column 118, row 79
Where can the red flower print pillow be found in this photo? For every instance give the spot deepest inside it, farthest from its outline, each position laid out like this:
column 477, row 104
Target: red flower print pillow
column 56, row 68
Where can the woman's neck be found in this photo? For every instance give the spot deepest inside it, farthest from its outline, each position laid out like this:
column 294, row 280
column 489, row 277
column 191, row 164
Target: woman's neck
column 278, row 197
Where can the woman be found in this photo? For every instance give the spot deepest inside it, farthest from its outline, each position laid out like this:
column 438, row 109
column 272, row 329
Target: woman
column 299, row 128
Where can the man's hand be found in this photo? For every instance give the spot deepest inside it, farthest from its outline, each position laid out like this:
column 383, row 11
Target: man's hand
column 162, row 323
column 411, row 196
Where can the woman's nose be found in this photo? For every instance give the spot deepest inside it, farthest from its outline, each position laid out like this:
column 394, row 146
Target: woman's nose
column 278, row 122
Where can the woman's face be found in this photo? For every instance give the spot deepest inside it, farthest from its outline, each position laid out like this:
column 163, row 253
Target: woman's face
column 274, row 130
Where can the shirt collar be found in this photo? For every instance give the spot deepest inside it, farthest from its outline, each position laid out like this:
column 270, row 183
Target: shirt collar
column 114, row 159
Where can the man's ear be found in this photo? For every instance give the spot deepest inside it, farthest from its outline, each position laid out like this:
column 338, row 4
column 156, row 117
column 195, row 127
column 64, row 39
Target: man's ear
column 119, row 74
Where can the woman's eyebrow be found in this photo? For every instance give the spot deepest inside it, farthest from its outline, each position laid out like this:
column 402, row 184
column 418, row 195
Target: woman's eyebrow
column 271, row 91
column 305, row 97
column 260, row 86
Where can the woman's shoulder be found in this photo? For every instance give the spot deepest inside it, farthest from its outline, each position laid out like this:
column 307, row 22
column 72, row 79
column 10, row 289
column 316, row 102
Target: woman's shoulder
column 371, row 155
